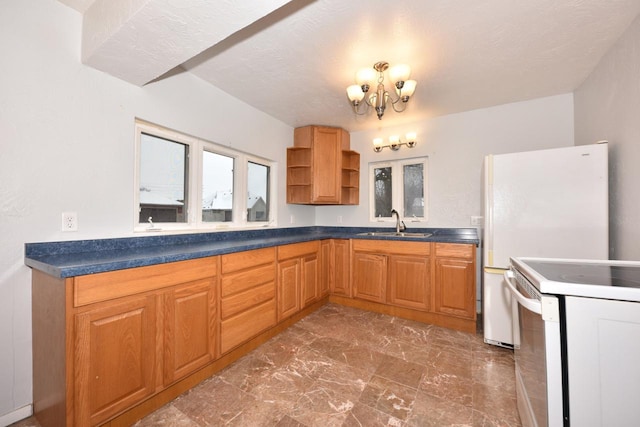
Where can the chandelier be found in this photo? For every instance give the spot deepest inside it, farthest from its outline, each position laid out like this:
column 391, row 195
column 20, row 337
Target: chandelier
column 399, row 76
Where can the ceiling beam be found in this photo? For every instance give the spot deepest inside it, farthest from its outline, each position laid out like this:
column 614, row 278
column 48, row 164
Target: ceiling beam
column 140, row 40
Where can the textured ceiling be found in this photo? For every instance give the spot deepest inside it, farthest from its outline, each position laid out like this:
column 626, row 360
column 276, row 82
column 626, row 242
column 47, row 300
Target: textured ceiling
column 295, row 61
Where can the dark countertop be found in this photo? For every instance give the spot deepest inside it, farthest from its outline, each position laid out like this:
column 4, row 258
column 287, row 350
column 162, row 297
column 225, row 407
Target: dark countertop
column 80, row 257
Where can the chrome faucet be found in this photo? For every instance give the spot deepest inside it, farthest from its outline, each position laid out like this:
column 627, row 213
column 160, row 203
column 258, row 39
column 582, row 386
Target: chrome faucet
column 399, row 224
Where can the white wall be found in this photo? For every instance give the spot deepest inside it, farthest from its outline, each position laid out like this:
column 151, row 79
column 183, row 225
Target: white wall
column 456, row 145
column 66, row 135
column 607, row 106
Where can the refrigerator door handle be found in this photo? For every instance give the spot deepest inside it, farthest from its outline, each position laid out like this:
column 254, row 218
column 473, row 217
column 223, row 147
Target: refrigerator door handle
column 529, row 303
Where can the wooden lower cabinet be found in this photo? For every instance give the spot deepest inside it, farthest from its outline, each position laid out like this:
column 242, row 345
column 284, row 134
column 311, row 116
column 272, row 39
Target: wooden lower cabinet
column 340, row 268
column 298, row 277
column 430, row 282
column 189, row 328
column 309, row 291
column 392, row 272
column 409, row 278
column 128, row 334
column 455, row 280
column 247, row 296
column 107, row 344
column 115, row 358
column 453, row 293
column 288, row 288
column 324, row 277
column 370, row 277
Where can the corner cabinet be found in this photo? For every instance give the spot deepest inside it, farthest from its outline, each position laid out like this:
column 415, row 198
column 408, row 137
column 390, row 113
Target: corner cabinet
column 321, row 168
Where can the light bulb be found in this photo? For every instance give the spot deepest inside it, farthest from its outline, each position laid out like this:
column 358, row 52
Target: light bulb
column 365, row 76
column 399, row 73
column 355, row 93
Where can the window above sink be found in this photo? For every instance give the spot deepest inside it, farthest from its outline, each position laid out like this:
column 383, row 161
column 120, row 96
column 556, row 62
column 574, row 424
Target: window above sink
column 400, row 183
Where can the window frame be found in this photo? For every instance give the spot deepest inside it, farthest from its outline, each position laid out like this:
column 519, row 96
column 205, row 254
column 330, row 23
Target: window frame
column 196, row 148
column 397, row 189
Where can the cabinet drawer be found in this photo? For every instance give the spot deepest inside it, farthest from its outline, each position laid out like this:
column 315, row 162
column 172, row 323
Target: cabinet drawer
column 454, row 250
column 115, row 284
column 244, row 300
column 247, row 259
column 238, row 282
column 386, row 247
column 298, row 249
column 238, row 329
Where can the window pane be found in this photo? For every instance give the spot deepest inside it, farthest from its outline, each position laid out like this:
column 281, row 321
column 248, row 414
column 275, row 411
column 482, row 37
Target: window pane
column 413, row 181
column 163, row 183
column 382, row 192
column 217, row 187
column 257, row 192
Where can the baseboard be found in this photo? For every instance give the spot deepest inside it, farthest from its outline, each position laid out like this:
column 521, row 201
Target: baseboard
column 16, row 415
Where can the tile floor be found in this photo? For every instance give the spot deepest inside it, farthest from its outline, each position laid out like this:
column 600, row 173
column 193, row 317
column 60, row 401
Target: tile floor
column 346, row 367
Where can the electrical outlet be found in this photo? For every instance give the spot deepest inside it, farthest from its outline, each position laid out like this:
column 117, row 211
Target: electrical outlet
column 292, row 219
column 476, row 220
column 339, row 219
column 69, row 221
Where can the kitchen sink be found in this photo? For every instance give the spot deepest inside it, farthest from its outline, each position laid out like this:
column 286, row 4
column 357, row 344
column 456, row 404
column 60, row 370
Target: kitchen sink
column 395, row 234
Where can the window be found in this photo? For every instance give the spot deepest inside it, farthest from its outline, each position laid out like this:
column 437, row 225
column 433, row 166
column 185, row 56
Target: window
column 399, row 185
column 184, row 182
column 258, row 195
column 163, row 178
column 217, row 187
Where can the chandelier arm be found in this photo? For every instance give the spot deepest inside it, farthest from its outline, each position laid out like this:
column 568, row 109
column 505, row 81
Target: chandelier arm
column 394, row 101
column 356, row 109
column 399, row 110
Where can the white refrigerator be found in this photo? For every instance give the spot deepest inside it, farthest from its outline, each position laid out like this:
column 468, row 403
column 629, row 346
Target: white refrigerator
column 548, row 204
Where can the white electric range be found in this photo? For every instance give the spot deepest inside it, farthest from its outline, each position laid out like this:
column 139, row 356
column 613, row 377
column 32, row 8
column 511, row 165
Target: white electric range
column 576, row 341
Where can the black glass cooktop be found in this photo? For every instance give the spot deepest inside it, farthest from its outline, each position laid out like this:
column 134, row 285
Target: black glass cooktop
column 589, row 274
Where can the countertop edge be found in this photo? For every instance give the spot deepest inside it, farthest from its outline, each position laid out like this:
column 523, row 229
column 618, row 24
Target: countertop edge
column 71, row 264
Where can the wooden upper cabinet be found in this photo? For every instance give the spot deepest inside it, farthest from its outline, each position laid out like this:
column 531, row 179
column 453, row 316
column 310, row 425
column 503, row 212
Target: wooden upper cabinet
column 321, row 169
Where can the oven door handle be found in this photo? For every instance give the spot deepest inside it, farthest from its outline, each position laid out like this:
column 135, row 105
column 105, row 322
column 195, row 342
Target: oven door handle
column 528, row 303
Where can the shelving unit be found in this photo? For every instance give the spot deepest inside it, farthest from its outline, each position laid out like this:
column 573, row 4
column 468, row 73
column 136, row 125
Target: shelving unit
column 299, row 174
column 321, row 168
column 350, row 178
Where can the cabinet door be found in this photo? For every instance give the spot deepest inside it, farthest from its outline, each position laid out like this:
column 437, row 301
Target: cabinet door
column 369, row 276
column 409, row 282
column 288, row 288
column 189, row 328
column 324, row 279
column 115, row 358
column 341, row 267
column 327, row 165
column 455, row 287
column 310, row 272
